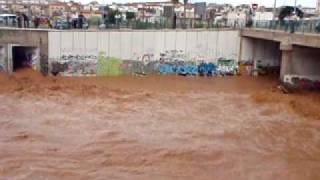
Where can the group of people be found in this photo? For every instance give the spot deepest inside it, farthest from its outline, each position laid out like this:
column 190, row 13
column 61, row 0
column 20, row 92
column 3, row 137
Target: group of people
column 23, row 21
column 75, row 21
column 291, row 22
column 111, row 21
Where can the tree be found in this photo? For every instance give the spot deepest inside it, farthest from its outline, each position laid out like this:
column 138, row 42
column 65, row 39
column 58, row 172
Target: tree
column 111, row 15
column 130, row 15
column 175, row 1
column 94, row 20
column 288, row 10
column 185, row 2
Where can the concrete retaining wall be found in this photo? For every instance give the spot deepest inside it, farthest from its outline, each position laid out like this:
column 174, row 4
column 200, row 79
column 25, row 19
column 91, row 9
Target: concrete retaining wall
column 132, row 45
column 141, row 46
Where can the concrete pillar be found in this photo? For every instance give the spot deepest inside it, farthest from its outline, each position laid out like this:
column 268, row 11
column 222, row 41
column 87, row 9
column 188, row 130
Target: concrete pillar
column 254, row 56
column 286, row 59
column 240, row 49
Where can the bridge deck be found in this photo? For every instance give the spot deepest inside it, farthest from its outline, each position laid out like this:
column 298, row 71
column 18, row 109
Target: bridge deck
column 302, row 39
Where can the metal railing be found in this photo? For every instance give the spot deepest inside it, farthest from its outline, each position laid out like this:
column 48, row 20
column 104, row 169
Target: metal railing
column 159, row 24
column 129, row 24
column 301, row 26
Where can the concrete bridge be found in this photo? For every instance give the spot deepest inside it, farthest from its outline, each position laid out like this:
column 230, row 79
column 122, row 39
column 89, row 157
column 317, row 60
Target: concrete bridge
column 297, row 54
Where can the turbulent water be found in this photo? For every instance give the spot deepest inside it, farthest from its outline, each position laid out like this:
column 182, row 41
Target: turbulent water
column 115, row 129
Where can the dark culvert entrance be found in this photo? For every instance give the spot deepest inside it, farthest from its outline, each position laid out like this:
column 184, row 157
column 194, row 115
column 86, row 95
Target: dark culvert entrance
column 23, row 57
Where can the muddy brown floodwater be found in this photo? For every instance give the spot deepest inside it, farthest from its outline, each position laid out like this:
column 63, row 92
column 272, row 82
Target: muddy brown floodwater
column 156, row 127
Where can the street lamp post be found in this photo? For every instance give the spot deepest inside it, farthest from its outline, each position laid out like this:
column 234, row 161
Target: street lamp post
column 185, row 2
column 274, row 10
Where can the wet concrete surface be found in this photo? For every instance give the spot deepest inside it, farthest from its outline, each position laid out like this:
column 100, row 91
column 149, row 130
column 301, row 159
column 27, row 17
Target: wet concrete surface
column 156, row 127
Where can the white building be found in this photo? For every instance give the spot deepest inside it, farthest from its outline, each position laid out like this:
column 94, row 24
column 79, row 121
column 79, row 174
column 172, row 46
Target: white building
column 92, row 6
column 263, row 16
column 236, row 17
column 179, row 10
column 24, row 1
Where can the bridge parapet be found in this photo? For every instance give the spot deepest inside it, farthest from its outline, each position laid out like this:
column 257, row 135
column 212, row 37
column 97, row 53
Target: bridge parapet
column 300, row 39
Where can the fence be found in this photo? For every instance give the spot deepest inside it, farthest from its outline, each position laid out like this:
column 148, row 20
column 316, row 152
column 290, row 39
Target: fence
column 161, row 23
column 302, row 26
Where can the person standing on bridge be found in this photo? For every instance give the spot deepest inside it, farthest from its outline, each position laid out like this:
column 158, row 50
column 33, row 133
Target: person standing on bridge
column 49, row 21
column 286, row 23
column 80, row 20
column 36, row 21
column 293, row 22
column 174, row 24
column 19, row 19
column 25, row 20
column 69, row 21
column 74, row 20
column 236, row 22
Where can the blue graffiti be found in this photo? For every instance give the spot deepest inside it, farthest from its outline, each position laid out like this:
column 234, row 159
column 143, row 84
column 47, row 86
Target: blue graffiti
column 178, row 67
column 188, row 69
column 209, row 69
column 166, row 69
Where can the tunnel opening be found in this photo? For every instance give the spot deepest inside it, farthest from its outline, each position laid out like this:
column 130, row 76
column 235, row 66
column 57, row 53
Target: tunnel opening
column 23, row 57
column 302, row 70
column 263, row 55
column 268, row 58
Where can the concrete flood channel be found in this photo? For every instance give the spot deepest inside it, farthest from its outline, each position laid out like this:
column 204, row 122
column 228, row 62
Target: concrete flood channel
column 156, row 127
column 128, row 115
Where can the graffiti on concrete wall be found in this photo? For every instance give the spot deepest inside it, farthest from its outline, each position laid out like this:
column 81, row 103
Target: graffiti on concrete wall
column 169, row 62
column 227, row 66
column 74, row 65
column 173, row 55
column 139, row 67
column 178, row 67
column 108, row 66
column 144, row 58
column 180, row 55
column 177, row 62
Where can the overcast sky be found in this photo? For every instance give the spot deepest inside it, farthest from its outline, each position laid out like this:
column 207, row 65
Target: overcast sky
column 308, row 3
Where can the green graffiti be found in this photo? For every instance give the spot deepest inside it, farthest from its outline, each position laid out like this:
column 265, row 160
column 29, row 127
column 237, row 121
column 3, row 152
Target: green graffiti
column 108, row 66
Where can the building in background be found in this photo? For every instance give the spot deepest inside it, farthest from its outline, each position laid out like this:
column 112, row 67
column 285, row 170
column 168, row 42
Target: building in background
column 27, row 6
column 57, row 8
column 200, row 10
column 92, row 6
column 179, row 10
column 152, row 12
column 63, row 8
